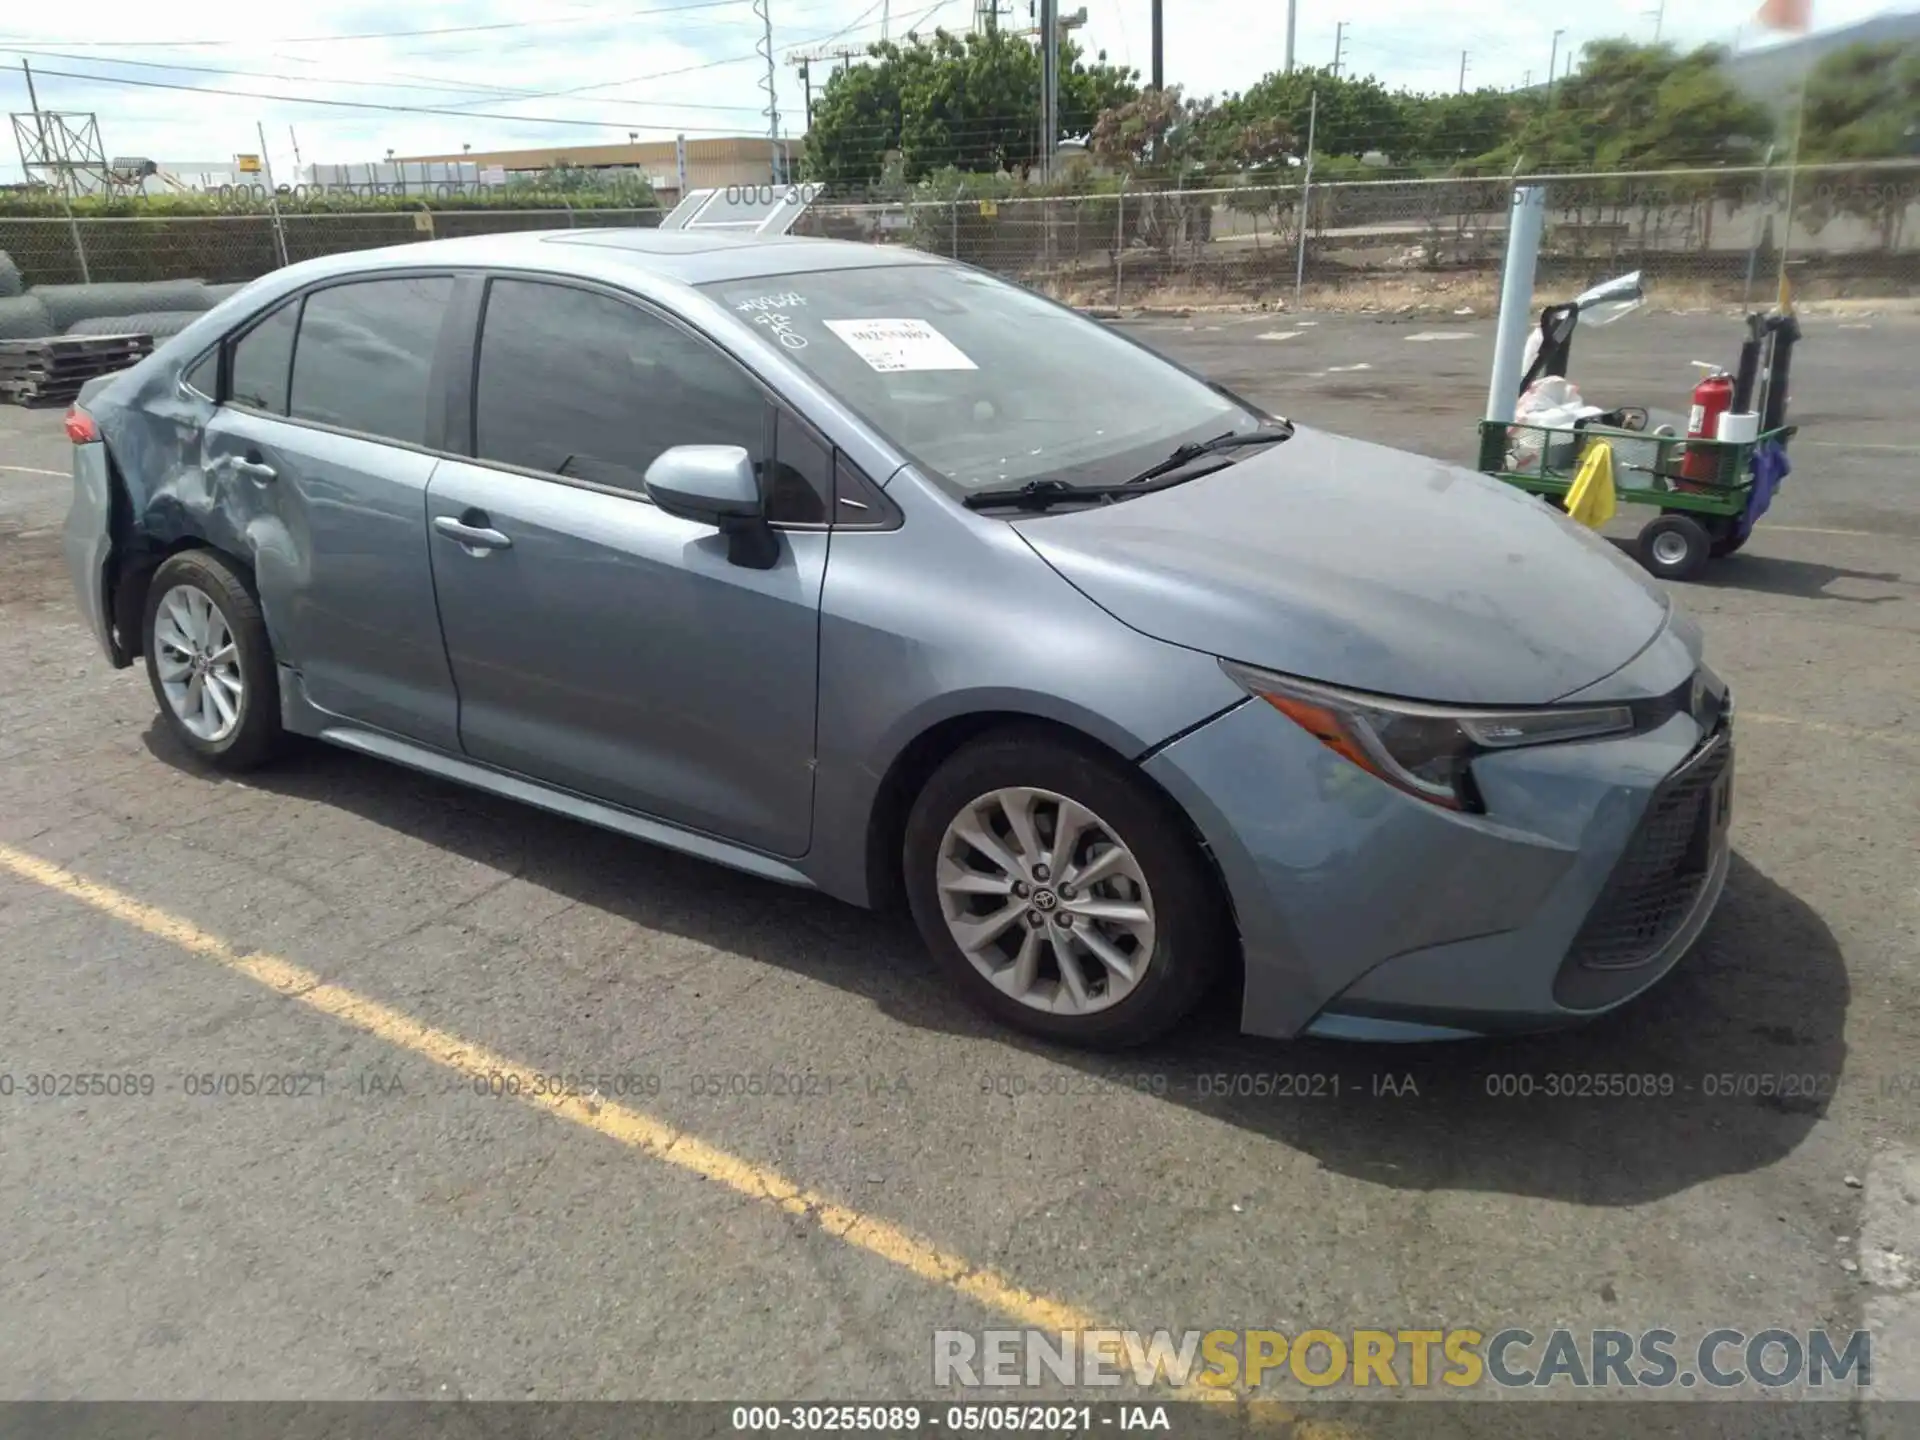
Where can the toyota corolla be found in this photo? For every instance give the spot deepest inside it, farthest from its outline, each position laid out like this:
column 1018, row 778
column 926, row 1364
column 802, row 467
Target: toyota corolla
column 865, row 571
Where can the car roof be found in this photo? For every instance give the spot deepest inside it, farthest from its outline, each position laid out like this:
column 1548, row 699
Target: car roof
column 686, row 257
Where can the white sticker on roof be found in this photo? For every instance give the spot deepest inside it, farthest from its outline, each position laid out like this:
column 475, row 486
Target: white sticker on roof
column 892, row 345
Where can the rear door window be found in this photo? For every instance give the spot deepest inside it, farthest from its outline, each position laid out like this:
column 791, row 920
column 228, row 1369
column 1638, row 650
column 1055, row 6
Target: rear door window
column 364, row 361
column 261, row 358
column 576, row 383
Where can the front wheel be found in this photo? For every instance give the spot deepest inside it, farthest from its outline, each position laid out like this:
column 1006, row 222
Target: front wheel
column 210, row 661
column 1062, row 893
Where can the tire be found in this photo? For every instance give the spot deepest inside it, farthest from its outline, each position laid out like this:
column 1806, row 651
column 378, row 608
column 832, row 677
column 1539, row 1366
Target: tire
column 10, row 283
column 70, row 303
column 160, row 324
column 1728, row 544
column 1675, row 546
column 23, row 317
column 254, row 736
column 1188, row 926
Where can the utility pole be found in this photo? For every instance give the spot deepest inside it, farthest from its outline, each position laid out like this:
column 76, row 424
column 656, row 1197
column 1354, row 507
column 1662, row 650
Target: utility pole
column 1553, row 59
column 763, row 9
column 1049, row 85
column 1159, row 48
column 1659, row 14
column 1339, row 42
column 806, row 82
column 296, row 151
column 1463, row 72
column 1293, row 15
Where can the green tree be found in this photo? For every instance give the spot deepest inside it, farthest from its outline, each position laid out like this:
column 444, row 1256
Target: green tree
column 1355, row 114
column 1642, row 107
column 969, row 103
column 1863, row 103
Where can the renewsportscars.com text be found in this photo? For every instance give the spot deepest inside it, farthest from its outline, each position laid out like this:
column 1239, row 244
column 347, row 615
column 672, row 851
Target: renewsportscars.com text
column 1513, row 1357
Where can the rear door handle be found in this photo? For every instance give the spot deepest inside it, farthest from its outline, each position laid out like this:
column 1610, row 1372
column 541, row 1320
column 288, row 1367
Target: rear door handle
column 253, row 469
column 474, row 537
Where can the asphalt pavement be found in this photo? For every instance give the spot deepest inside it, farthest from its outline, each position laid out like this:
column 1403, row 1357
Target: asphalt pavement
column 799, row 1156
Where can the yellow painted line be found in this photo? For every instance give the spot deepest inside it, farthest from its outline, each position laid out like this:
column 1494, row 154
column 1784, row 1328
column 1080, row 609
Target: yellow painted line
column 1850, row 732
column 635, row 1129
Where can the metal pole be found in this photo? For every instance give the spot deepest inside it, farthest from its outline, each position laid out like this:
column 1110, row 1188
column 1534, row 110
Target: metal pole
column 1553, row 59
column 273, row 200
column 1120, row 244
column 1463, row 72
column 1759, row 225
column 680, row 162
column 1293, row 16
column 1785, row 297
column 954, row 223
column 1525, row 224
column 1339, row 43
column 73, row 227
column 1159, row 48
column 296, row 151
column 1049, row 84
column 1306, row 196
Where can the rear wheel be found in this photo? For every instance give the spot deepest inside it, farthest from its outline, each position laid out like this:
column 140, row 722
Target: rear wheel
column 1062, row 894
column 210, row 662
column 1675, row 547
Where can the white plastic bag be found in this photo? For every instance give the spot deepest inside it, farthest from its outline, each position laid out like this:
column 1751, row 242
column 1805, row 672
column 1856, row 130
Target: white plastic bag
column 1552, row 402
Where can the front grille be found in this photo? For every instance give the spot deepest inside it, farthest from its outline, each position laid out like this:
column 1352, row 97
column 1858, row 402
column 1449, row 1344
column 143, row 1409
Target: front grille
column 1658, row 877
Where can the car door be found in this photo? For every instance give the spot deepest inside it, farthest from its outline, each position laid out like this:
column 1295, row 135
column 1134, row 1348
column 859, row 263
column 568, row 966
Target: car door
column 598, row 643
column 319, row 453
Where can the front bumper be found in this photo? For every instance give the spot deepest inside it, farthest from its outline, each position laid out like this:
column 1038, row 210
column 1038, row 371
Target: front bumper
column 1367, row 914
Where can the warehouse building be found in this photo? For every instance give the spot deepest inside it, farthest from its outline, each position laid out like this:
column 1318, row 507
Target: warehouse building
column 706, row 162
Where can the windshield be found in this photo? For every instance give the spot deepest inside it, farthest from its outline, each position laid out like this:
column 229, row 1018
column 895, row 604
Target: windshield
column 981, row 382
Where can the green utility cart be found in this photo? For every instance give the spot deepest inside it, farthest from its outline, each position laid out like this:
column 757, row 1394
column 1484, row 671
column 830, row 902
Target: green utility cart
column 1702, row 488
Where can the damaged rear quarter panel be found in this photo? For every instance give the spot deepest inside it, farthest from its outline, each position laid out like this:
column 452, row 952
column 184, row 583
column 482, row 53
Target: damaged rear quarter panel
column 155, row 426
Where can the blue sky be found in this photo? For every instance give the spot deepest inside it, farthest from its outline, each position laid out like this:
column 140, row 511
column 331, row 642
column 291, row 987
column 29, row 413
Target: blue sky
column 658, row 66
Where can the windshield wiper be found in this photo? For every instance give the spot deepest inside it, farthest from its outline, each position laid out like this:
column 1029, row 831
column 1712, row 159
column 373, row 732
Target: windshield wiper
column 1194, row 449
column 1045, row 493
column 1039, row 494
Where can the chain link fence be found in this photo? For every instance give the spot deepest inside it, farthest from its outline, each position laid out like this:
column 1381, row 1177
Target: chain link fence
column 223, row 248
column 1702, row 237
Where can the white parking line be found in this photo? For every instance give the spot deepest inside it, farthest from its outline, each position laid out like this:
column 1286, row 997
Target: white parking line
column 1276, row 335
column 31, row 470
column 1438, row 335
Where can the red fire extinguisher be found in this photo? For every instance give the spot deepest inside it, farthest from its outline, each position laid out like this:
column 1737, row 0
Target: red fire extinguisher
column 1712, row 398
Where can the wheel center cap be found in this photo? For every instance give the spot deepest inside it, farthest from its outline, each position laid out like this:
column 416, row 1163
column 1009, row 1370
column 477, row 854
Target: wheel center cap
column 1045, row 900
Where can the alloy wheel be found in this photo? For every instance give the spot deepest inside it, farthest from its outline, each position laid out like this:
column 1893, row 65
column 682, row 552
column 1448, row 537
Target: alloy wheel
column 1046, row 901
column 198, row 663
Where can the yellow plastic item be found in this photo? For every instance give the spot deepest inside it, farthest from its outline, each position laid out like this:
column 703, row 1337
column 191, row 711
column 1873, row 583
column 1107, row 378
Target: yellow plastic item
column 1590, row 501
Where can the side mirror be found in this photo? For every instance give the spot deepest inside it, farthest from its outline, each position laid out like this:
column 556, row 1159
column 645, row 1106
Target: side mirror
column 715, row 485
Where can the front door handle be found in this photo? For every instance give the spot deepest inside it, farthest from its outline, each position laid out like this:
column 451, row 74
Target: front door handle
column 476, row 538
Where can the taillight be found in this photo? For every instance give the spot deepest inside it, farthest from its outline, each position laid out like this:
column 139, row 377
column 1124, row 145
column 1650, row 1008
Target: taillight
column 80, row 427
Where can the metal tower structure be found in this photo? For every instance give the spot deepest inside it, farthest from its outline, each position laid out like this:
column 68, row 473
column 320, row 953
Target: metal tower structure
column 763, row 12
column 61, row 148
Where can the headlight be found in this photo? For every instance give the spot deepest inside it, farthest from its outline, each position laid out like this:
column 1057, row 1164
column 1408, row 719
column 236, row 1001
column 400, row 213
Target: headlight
column 1424, row 750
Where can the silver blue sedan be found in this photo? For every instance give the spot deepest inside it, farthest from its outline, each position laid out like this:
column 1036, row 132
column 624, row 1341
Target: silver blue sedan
column 864, row 571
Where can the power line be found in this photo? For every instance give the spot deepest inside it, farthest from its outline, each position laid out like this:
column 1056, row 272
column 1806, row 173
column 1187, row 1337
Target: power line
column 378, row 34
column 492, row 91
column 370, row 105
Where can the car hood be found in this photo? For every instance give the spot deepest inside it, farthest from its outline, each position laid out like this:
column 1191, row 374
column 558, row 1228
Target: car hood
column 1357, row 565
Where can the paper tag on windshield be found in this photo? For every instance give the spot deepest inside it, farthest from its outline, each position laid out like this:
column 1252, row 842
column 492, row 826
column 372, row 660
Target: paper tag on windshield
column 890, row 345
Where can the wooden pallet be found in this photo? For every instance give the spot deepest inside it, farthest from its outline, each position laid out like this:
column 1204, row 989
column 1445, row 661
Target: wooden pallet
column 52, row 369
